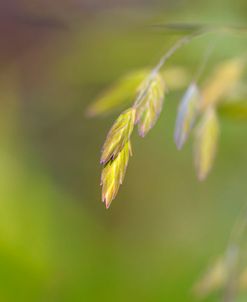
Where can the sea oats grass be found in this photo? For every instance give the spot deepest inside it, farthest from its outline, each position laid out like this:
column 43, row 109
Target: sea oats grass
column 198, row 110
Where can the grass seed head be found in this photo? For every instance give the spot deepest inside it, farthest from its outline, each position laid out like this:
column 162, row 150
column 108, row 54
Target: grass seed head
column 113, row 174
column 206, row 141
column 118, row 135
column 150, row 105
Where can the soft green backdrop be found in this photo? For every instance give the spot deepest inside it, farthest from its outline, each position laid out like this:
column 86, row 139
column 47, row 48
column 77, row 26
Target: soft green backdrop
column 57, row 241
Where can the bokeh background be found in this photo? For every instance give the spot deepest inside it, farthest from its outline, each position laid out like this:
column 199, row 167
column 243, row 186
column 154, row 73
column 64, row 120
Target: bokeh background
column 57, row 240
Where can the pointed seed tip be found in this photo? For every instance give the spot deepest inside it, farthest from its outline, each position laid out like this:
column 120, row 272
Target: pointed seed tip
column 102, row 161
column 141, row 133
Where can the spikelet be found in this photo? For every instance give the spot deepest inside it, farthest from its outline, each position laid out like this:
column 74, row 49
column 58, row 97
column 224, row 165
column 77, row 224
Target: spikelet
column 214, row 279
column 121, row 93
column 187, row 113
column 150, row 104
column 118, row 136
column 113, row 174
column 206, row 142
column 222, row 275
column 222, row 82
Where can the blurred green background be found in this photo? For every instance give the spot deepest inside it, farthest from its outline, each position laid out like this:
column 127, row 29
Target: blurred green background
column 57, row 241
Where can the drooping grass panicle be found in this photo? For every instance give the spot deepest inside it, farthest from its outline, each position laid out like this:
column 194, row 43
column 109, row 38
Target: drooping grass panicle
column 147, row 88
column 113, row 174
column 206, row 140
column 187, row 113
column 118, row 135
column 149, row 106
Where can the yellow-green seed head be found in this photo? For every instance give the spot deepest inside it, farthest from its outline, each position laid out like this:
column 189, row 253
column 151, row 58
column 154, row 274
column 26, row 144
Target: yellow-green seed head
column 113, row 174
column 150, row 105
column 118, row 135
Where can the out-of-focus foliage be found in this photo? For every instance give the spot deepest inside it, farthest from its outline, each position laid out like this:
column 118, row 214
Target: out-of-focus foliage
column 122, row 93
column 226, row 76
column 212, row 280
column 234, row 109
column 228, row 274
column 176, row 77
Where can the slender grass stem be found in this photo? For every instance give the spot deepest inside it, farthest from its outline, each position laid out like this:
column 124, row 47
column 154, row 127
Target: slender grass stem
column 180, row 43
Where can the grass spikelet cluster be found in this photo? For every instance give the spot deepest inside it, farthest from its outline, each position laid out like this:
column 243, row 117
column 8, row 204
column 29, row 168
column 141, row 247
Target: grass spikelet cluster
column 117, row 149
column 113, row 174
column 115, row 155
column 149, row 106
column 118, row 135
column 147, row 88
